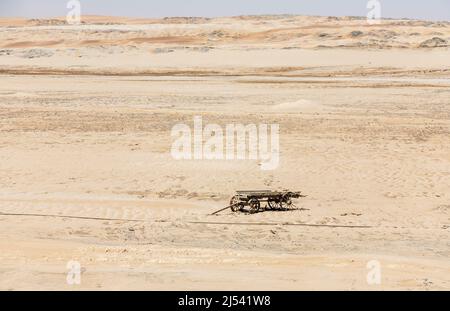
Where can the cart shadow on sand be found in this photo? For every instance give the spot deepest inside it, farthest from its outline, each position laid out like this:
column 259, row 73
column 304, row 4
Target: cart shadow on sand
column 268, row 209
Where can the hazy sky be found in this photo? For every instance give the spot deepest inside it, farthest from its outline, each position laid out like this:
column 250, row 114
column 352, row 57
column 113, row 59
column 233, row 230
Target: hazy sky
column 420, row 9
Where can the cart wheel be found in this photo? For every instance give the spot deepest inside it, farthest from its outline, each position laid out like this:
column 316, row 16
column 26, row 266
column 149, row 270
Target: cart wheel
column 273, row 204
column 236, row 206
column 254, row 206
column 286, row 202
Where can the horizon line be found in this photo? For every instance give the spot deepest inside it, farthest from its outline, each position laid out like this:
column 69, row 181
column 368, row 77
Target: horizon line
column 224, row 16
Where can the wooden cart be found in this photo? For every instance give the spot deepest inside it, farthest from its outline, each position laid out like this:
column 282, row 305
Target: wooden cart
column 258, row 200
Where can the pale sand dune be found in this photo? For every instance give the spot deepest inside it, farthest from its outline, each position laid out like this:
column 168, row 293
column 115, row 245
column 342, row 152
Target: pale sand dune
column 87, row 175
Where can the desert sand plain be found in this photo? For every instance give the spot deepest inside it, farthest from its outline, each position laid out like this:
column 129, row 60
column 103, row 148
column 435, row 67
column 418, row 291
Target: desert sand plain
column 87, row 174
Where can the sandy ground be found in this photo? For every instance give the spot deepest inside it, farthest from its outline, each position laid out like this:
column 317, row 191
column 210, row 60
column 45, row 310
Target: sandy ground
column 87, row 174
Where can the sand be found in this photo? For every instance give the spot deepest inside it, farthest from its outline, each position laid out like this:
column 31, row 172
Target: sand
column 87, row 174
